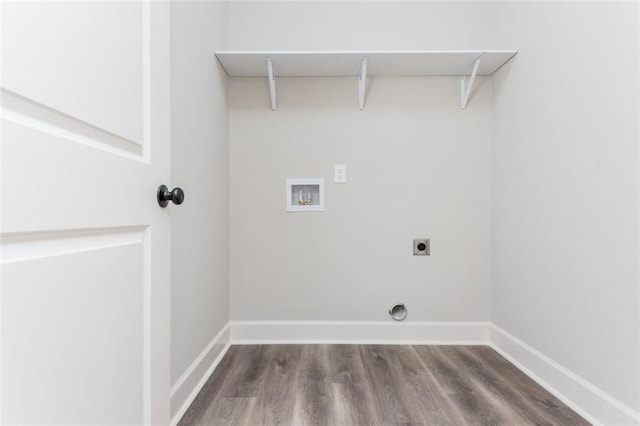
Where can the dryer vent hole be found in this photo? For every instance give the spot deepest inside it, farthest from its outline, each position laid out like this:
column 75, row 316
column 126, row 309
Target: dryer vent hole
column 398, row 311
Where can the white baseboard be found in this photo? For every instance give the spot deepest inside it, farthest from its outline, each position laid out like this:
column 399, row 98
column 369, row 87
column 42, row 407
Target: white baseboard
column 586, row 399
column 186, row 388
column 359, row 332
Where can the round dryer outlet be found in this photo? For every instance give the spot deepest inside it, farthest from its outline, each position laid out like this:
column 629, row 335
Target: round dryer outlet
column 398, row 311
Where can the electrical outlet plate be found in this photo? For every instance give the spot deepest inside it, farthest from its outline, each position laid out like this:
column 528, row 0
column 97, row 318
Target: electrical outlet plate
column 340, row 173
column 422, row 247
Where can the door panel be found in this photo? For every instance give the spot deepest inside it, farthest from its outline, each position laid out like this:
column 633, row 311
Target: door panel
column 90, row 51
column 72, row 316
column 85, row 246
column 53, row 172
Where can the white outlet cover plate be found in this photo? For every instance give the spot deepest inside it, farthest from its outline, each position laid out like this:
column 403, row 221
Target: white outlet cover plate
column 340, row 173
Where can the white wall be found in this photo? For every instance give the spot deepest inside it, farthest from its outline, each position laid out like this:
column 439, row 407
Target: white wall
column 199, row 233
column 417, row 166
column 566, row 189
column 341, row 25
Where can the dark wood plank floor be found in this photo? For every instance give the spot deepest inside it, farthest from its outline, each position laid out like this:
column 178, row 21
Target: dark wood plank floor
column 372, row 385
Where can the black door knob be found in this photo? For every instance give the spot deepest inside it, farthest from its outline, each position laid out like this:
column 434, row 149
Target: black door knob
column 164, row 195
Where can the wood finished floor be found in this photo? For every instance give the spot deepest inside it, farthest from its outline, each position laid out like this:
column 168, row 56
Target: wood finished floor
column 372, row 385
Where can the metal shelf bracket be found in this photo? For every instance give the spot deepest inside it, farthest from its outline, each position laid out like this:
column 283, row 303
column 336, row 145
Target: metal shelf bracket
column 272, row 84
column 362, row 82
column 465, row 91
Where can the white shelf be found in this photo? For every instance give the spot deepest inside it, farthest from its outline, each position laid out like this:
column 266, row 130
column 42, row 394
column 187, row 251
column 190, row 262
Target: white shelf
column 364, row 63
column 380, row 63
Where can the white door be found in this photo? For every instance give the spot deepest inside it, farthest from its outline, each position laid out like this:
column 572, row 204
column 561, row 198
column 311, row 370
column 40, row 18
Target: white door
column 85, row 246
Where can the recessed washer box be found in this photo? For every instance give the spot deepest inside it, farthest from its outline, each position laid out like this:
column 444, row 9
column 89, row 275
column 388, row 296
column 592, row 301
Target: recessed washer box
column 305, row 195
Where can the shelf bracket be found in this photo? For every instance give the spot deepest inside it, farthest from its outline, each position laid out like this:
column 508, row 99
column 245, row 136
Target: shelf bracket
column 362, row 82
column 272, row 84
column 465, row 91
